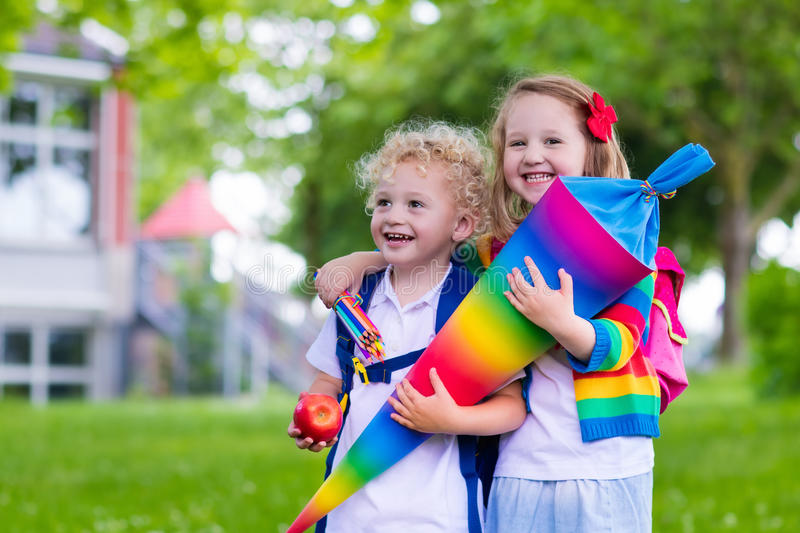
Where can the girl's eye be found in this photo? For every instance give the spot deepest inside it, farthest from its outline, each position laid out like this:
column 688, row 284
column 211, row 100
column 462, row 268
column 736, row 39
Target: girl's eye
column 552, row 141
column 516, row 143
column 381, row 202
column 414, row 203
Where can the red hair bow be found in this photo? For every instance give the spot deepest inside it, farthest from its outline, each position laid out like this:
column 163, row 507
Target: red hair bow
column 601, row 119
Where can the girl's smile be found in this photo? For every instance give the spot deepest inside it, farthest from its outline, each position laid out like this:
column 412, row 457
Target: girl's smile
column 539, row 177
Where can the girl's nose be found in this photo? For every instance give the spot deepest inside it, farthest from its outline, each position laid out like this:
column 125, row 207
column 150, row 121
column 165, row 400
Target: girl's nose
column 532, row 155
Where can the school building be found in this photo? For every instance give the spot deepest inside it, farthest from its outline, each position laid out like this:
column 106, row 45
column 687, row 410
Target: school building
column 88, row 300
column 66, row 220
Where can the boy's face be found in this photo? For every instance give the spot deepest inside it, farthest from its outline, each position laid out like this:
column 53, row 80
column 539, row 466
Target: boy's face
column 415, row 221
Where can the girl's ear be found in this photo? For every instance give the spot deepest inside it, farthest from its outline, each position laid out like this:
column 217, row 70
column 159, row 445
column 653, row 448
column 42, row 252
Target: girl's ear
column 464, row 228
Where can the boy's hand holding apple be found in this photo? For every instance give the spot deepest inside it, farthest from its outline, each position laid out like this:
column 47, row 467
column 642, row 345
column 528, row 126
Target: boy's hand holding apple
column 316, row 422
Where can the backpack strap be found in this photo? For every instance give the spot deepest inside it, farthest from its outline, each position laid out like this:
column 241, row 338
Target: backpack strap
column 381, row 372
column 456, row 286
column 467, row 451
column 526, row 384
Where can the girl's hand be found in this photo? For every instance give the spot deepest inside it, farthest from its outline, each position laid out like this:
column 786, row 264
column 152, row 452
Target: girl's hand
column 551, row 310
column 437, row 413
column 345, row 273
column 308, row 443
column 334, row 277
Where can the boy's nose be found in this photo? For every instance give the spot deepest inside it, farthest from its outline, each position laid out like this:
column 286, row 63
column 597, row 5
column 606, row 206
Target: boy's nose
column 395, row 214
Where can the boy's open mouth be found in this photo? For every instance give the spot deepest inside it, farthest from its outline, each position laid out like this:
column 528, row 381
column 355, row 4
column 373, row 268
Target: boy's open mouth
column 397, row 238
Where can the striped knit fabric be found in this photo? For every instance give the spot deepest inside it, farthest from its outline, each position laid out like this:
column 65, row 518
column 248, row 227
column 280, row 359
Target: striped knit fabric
column 617, row 390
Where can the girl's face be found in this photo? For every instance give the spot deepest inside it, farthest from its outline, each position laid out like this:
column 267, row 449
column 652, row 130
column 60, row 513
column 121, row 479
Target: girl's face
column 543, row 140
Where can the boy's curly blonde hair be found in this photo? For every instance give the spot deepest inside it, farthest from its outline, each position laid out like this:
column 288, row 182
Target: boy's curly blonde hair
column 460, row 149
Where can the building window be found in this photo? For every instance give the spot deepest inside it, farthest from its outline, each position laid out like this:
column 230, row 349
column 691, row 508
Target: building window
column 18, row 391
column 66, row 391
column 46, row 146
column 67, row 346
column 21, row 108
column 16, row 347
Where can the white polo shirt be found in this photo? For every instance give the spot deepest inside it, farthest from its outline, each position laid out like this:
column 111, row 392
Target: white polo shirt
column 424, row 491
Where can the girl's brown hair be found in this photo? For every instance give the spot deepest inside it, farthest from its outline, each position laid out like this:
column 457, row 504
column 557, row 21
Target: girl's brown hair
column 602, row 159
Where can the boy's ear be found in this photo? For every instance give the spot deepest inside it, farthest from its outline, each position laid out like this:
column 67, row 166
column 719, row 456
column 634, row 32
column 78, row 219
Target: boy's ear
column 464, row 228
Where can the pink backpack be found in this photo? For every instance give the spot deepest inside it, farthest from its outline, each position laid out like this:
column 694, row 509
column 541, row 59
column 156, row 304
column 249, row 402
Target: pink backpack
column 664, row 346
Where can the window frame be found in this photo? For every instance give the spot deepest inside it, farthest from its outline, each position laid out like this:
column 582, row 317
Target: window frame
column 50, row 73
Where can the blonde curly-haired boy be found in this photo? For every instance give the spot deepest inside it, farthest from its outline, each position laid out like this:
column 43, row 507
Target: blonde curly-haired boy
column 427, row 192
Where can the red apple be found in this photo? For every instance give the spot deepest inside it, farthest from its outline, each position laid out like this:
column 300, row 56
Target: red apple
column 318, row 416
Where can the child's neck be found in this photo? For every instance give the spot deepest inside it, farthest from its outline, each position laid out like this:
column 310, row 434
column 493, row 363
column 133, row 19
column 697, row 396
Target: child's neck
column 410, row 283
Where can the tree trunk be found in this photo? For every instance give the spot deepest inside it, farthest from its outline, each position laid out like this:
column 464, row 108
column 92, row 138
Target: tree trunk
column 737, row 247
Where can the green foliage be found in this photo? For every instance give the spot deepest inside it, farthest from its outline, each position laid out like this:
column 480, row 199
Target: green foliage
column 773, row 308
column 205, row 302
column 17, row 18
column 723, row 74
column 675, row 71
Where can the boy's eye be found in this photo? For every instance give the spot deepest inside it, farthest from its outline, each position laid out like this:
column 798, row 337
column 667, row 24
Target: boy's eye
column 414, row 203
column 381, row 202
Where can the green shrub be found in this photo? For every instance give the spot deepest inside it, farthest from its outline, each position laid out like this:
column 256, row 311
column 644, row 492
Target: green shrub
column 773, row 314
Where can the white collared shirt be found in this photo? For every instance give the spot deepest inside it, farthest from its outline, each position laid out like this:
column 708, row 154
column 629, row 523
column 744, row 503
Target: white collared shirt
column 423, row 492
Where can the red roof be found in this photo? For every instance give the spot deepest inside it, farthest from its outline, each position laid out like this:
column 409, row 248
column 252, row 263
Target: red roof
column 189, row 213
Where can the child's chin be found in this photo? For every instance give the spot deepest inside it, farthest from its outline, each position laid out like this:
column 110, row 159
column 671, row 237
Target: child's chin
column 397, row 247
column 401, row 259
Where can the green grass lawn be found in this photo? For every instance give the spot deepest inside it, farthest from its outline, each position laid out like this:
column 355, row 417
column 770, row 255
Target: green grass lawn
column 169, row 466
column 724, row 463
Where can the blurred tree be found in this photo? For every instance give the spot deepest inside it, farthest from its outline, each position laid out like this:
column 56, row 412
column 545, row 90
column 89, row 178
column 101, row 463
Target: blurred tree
column 16, row 18
column 233, row 84
column 408, row 70
column 723, row 74
column 775, row 294
column 719, row 73
column 214, row 80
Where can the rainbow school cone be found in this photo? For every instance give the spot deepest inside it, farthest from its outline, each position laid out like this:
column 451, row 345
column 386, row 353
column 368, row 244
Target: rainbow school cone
column 603, row 231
